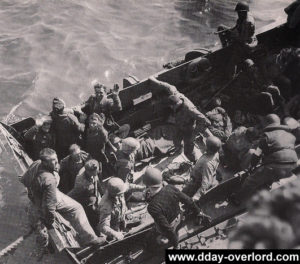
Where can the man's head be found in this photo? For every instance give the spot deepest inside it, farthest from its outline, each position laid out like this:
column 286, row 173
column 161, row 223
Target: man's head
column 49, row 159
column 75, row 151
column 58, row 105
column 130, row 145
column 252, row 133
column 96, row 120
column 46, row 125
column 242, row 8
column 271, row 119
column 91, row 168
column 152, row 178
column 213, row 144
column 175, row 101
column 100, row 89
column 115, row 187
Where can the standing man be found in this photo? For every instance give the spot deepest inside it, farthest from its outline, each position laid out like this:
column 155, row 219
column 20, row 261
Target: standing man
column 66, row 127
column 99, row 103
column 203, row 174
column 185, row 115
column 163, row 204
column 276, row 150
column 49, row 200
column 70, row 166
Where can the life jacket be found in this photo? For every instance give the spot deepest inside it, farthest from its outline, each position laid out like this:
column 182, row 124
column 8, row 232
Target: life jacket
column 280, row 145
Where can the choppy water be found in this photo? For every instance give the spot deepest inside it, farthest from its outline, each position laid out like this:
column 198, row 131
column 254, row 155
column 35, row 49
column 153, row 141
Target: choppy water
column 55, row 47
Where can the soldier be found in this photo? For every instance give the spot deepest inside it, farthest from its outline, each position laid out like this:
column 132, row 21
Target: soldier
column 87, row 190
column 126, row 159
column 185, row 116
column 279, row 158
column 99, row 103
column 42, row 180
column 163, row 205
column 293, row 20
column 39, row 137
column 96, row 137
column 203, row 174
column 70, row 166
column 113, row 207
column 243, row 33
column 221, row 125
column 66, row 127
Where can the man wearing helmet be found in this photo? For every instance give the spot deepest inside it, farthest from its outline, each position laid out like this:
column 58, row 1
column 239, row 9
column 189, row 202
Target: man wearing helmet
column 203, row 174
column 243, row 32
column 112, row 208
column 126, row 159
column 163, row 205
column 99, row 103
column 276, row 150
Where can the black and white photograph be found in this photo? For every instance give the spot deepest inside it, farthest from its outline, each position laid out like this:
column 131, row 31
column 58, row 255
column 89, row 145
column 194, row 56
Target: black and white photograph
column 149, row 131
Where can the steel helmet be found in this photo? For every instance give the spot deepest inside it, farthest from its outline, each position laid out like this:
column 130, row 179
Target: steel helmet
column 241, row 6
column 152, row 177
column 213, row 144
column 129, row 145
column 271, row 119
column 116, row 186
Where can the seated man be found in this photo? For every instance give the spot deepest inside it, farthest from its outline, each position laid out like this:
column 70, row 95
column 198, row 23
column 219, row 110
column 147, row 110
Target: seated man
column 70, row 166
column 277, row 148
column 113, row 207
column 243, row 33
column 39, row 137
column 203, row 174
column 87, row 190
column 99, row 103
column 163, row 205
column 126, row 159
column 221, row 126
column 42, row 179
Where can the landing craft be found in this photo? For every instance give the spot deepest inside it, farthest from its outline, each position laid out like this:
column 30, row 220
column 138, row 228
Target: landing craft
column 144, row 110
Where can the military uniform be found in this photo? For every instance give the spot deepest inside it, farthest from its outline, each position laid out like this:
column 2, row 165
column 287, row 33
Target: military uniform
column 42, row 184
column 38, row 139
column 67, row 130
column 203, row 175
column 112, row 212
column 69, row 170
column 106, row 106
column 221, row 126
column 279, row 159
column 185, row 118
column 125, row 166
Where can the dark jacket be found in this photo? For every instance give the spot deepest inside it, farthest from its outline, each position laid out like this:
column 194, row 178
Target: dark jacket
column 187, row 115
column 67, row 129
column 164, row 208
column 124, row 166
column 278, row 145
column 69, row 170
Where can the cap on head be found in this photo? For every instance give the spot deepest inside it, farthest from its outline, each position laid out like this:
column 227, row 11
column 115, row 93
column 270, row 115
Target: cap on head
column 271, row 119
column 100, row 119
column 213, row 144
column 130, row 145
column 152, row 177
column 58, row 104
column 91, row 165
column 116, row 186
column 46, row 153
column 174, row 99
column 242, row 6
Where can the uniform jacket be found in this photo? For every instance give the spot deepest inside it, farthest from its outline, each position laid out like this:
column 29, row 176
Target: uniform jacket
column 187, row 115
column 278, row 145
column 221, row 125
column 246, row 30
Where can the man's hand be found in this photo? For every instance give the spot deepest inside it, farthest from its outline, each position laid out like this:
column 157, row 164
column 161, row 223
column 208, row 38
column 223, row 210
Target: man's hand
column 116, row 89
column 119, row 235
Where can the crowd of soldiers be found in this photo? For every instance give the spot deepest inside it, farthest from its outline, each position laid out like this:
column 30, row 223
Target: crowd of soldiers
column 84, row 161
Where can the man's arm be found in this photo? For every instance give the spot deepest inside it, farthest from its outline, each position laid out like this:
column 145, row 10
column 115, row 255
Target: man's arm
column 78, row 127
column 163, row 224
column 163, row 86
column 196, row 114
